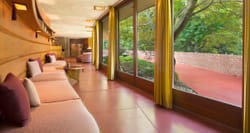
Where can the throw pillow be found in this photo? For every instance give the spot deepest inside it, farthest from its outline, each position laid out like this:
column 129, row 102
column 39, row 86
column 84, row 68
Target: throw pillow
column 34, row 68
column 39, row 62
column 47, row 57
column 14, row 101
column 52, row 58
column 32, row 92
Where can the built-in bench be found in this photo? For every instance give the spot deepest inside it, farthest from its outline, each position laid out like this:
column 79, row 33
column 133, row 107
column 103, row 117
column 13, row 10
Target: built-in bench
column 61, row 109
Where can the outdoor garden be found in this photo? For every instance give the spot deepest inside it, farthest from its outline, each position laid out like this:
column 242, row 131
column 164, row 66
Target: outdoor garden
column 200, row 26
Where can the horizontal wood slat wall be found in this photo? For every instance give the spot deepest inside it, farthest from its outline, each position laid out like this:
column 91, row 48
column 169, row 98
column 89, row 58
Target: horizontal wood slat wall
column 18, row 43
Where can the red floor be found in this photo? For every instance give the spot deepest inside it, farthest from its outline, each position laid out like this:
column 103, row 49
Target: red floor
column 121, row 108
column 211, row 84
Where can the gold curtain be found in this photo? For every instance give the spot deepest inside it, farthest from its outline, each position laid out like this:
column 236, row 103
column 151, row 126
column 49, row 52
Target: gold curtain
column 93, row 45
column 97, row 46
column 111, row 47
column 90, row 42
column 246, row 91
column 163, row 55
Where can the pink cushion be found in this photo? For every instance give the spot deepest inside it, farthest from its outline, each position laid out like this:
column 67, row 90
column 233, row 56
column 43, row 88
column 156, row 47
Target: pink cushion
column 39, row 62
column 55, row 91
column 33, row 68
column 14, row 101
column 47, row 57
column 58, row 117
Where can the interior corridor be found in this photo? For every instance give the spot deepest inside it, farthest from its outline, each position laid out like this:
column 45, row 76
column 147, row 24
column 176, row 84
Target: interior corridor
column 121, row 108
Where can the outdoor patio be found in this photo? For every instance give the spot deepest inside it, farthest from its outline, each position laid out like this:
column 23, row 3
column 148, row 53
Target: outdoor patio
column 211, row 84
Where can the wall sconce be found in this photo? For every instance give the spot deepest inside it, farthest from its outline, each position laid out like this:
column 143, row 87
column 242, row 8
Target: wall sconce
column 20, row 6
column 13, row 15
column 15, row 7
column 37, row 31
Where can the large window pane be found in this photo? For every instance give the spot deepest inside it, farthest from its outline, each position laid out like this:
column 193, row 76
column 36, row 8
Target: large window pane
column 125, row 51
column 145, row 42
column 208, row 49
column 105, row 42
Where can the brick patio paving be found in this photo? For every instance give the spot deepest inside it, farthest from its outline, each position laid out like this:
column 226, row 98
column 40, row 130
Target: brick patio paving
column 210, row 84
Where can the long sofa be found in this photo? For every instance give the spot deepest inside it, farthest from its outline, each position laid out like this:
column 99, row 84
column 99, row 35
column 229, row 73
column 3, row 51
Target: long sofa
column 61, row 109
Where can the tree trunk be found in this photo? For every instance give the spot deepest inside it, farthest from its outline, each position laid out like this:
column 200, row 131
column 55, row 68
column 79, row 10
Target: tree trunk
column 183, row 18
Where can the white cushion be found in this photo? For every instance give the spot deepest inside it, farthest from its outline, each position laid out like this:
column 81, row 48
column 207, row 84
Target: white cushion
column 32, row 92
column 34, row 68
column 52, row 58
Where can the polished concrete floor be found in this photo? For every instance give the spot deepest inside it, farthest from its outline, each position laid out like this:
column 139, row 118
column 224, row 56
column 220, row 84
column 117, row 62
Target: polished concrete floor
column 121, row 108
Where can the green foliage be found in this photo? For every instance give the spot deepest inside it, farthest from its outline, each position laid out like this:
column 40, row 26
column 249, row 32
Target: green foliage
column 105, row 44
column 125, row 35
column 126, row 64
column 145, row 69
column 218, row 29
column 146, row 29
column 145, row 33
column 105, row 60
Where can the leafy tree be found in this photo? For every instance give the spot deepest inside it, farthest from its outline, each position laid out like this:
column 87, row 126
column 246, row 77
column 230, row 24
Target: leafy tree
column 146, row 29
column 125, row 35
column 212, row 26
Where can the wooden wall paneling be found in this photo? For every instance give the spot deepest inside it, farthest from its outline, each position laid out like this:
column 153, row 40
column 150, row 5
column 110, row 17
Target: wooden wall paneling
column 57, row 50
column 17, row 67
column 18, row 27
column 18, row 43
column 13, row 46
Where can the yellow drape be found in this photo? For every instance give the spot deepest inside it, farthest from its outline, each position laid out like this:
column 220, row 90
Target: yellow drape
column 111, row 47
column 163, row 55
column 93, row 45
column 246, row 91
column 90, row 42
column 97, row 46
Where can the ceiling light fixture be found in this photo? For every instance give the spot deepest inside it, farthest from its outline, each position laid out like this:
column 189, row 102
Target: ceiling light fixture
column 15, row 7
column 99, row 8
column 13, row 13
column 19, row 6
column 37, row 31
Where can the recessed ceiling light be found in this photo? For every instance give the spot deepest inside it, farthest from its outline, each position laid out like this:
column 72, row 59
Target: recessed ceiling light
column 20, row 6
column 99, row 8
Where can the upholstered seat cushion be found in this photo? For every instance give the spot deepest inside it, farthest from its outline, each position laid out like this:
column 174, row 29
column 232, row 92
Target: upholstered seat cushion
column 52, row 68
column 55, row 91
column 57, row 63
column 48, row 76
column 58, row 117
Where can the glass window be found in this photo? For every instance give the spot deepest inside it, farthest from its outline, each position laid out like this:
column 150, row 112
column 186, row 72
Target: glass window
column 125, row 47
column 145, row 42
column 105, row 41
column 208, row 49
